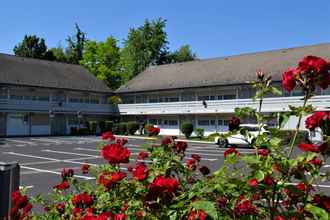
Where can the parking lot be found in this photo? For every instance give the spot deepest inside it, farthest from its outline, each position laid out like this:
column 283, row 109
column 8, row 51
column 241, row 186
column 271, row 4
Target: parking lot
column 42, row 158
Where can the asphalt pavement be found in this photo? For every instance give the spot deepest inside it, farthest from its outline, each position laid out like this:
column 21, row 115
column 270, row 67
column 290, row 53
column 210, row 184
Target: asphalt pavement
column 42, row 158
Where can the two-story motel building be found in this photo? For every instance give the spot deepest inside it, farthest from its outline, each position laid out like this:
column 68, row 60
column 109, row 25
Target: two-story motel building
column 39, row 97
column 206, row 92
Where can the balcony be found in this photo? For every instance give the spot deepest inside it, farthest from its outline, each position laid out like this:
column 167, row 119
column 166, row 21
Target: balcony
column 44, row 106
column 279, row 104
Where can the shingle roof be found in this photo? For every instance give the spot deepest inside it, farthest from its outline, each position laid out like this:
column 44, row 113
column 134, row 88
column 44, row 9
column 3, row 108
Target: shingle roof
column 41, row 73
column 221, row 71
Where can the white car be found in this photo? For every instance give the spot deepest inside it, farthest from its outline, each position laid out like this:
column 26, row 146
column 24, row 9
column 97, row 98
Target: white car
column 239, row 139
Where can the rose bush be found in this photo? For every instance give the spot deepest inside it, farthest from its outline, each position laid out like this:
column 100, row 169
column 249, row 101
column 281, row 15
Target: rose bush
column 163, row 183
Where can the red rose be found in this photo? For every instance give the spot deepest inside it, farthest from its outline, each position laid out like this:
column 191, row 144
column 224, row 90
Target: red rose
column 180, row 146
column 244, row 207
column 301, row 186
column 60, row 208
column 196, row 157
column 116, row 153
column 253, row 182
column 268, row 181
column 120, row 216
column 67, row 173
column 199, row 214
column 85, row 168
column 204, row 170
column 167, row 141
column 279, row 218
column 288, row 80
column 309, row 147
column 163, row 188
column 231, row 151
column 139, row 214
column 109, row 179
column 82, row 200
column 122, row 141
column 316, row 161
column 322, row 201
column 191, row 164
column 222, row 202
column 234, row 123
column 108, row 136
column 153, row 131
column 140, row 173
column 142, row 155
column 62, row 186
column 263, row 152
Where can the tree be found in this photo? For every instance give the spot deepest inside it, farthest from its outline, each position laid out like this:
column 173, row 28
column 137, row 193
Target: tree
column 76, row 45
column 184, row 54
column 31, row 46
column 144, row 46
column 59, row 54
column 102, row 59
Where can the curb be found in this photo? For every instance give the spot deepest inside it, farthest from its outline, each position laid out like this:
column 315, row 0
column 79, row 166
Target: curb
column 151, row 138
column 135, row 137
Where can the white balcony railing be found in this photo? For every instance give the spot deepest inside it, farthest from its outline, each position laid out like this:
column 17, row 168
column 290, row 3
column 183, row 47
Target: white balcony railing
column 42, row 106
column 278, row 104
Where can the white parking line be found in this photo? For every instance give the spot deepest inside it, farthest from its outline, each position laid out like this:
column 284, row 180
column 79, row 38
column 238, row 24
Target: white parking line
column 48, row 162
column 70, row 153
column 206, row 159
column 50, row 159
column 55, row 172
column 26, row 187
column 47, row 140
column 21, row 142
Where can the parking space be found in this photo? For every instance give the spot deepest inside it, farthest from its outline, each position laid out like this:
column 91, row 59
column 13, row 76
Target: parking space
column 42, row 158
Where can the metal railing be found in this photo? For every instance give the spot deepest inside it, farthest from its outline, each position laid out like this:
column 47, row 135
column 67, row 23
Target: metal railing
column 278, row 104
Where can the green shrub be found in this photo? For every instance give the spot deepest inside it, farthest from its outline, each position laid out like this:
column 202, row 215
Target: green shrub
column 92, row 126
column 199, row 132
column 122, row 128
column 187, row 129
column 211, row 137
column 132, row 127
column 102, row 126
column 108, row 125
column 287, row 135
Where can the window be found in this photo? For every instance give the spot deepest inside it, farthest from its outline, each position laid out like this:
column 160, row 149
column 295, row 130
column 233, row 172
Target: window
column 172, row 122
column 204, row 97
column 225, row 122
column 58, row 98
column 229, row 96
column 3, row 93
column 212, row 122
column 16, row 97
column 220, row 122
column 153, row 100
column 153, row 121
column 203, row 122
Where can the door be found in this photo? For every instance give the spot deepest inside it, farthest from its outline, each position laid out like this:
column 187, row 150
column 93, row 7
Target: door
column 2, row 124
column 17, row 124
column 58, row 125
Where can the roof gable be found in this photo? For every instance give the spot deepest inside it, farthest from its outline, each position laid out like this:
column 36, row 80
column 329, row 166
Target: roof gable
column 221, row 71
column 41, row 73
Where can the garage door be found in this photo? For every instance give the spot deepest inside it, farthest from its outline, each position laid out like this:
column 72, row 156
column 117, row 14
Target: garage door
column 17, row 124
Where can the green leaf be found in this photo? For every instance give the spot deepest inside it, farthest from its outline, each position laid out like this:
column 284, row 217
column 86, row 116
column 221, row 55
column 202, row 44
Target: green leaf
column 284, row 118
column 275, row 141
column 260, row 175
column 207, row 207
column 318, row 213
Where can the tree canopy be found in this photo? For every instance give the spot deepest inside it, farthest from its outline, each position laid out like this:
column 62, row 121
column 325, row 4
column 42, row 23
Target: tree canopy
column 102, row 59
column 34, row 47
column 144, row 46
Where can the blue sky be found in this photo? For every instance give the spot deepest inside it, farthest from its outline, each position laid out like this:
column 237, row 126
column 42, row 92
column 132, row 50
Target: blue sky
column 213, row 28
